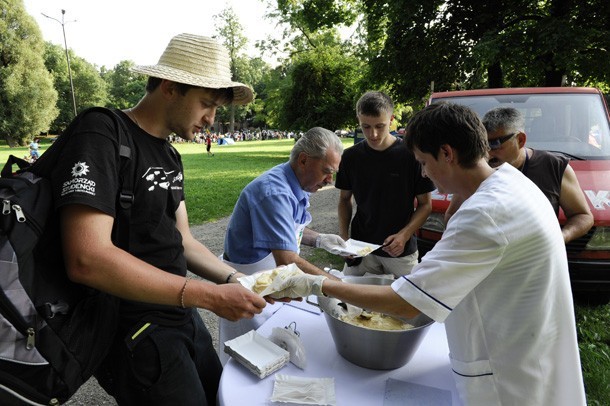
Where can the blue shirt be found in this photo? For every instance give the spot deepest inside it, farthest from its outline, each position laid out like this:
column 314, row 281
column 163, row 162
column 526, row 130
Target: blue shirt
column 264, row 216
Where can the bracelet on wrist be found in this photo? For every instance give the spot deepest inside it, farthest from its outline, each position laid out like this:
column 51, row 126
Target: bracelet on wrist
column 230, row 276
column 186, row 280
column 317, row 243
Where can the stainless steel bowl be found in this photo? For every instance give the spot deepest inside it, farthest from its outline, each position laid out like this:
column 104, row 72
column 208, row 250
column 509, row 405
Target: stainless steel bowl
column 374, row 349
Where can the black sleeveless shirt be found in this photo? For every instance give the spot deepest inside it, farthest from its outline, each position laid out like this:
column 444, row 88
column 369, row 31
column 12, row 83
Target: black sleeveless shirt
column 546, row 170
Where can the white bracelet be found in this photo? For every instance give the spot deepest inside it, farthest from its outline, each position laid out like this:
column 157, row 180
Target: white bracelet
column 318, row 238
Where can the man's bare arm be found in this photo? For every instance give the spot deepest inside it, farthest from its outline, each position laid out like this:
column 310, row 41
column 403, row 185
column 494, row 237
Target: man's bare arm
column 395, row 244
column 285, row 257
column 345, row 211
column 93, row 260
column 574, row 204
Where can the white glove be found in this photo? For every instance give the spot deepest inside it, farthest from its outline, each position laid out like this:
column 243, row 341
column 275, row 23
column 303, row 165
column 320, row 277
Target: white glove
column 300, row 286
column 329, row 242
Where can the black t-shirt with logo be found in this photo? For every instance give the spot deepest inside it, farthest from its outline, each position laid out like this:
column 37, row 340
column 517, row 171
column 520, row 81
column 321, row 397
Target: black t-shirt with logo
column 88, row 173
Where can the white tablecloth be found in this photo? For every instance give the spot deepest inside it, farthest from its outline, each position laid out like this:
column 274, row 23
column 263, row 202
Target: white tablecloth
column 354, row 385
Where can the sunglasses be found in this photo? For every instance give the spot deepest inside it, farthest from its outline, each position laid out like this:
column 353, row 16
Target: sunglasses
column 497, row 142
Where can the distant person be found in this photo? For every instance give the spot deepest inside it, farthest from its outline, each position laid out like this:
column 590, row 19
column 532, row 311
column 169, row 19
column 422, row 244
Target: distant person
column 208, row 145
column 270, row 219
column 385, row 180
column 551, row 172
column 34, row 150
column 498, row 278
column 163, row 353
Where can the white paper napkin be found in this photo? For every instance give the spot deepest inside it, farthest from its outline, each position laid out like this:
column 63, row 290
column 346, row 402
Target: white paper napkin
column 305, row 391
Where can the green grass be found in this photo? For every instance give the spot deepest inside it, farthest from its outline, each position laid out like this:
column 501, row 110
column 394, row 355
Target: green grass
column 593, row 327
column 212, row 186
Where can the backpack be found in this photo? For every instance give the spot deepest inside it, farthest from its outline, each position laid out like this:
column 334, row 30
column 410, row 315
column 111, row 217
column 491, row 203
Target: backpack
column 54, row 333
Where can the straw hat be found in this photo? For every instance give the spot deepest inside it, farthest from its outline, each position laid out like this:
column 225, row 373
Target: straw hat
column 198, row 61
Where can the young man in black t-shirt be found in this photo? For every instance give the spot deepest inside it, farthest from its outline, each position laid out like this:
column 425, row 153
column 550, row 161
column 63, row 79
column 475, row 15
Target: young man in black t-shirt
column 163, row 354
column 385, row 180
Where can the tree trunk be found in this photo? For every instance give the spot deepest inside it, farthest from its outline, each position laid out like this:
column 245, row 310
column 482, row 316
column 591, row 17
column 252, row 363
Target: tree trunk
column 553, row 78
column 232, row 121
column 553, row 75
column 495, row 76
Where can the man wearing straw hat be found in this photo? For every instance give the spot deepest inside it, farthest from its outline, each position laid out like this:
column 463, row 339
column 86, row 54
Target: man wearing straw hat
column 163, row 354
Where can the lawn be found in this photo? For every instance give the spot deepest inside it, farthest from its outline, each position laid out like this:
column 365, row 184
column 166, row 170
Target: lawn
column 212, row 185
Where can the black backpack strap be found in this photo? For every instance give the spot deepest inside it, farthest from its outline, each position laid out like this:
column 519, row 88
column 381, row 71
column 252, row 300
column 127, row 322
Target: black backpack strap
column 7, row 169
column 126, row 196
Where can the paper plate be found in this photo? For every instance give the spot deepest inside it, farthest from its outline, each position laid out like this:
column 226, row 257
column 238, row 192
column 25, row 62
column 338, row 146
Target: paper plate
column 356, row 248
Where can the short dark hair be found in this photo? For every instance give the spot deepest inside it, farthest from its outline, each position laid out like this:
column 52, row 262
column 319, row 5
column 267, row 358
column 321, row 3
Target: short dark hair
column 225, row 94
column 452, row 124
column 374, row 103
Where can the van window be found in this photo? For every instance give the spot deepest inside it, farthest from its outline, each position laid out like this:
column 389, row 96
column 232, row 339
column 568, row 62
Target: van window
column 570, row 123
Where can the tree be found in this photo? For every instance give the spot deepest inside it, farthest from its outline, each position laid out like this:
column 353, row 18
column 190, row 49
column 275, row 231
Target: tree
column 471, row 44
column 27, row 96
column 231, row 31
column 302, row 20
column 125, row 88
column 89, row 87
column 323, row 90
column 321, row 80
column 268, row 107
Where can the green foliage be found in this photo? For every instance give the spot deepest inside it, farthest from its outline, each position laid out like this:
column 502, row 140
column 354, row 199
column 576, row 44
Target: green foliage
column 125, row 88
column 419, row 47
column 402, row 114
column 323, row 90
column 471, row 44
column 89, row 87
column 314, row 15
column 269, row 106
column 27, row 96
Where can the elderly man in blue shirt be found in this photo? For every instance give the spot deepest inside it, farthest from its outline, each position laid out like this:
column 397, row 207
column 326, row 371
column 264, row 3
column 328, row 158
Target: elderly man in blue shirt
column 269, row 221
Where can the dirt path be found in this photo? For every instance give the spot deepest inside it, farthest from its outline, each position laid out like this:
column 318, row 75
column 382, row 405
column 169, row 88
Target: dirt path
column 324, row 212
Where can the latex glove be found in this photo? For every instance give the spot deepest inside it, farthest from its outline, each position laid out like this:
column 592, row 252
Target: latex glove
column 329, row 242
column 300, row 286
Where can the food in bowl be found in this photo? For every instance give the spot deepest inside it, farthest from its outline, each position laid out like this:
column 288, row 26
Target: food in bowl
column 376, row 321
column 369, row 348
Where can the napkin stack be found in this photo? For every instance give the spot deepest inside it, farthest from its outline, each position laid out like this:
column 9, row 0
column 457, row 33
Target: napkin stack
column 257, row 353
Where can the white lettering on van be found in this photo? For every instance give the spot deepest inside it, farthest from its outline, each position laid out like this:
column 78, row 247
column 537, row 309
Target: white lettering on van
column 600, row 199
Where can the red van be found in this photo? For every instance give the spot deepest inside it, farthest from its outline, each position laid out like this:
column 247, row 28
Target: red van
column 571, row 121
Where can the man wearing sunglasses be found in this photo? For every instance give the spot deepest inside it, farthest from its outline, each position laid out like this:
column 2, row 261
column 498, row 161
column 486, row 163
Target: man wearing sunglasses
column 552, row 173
